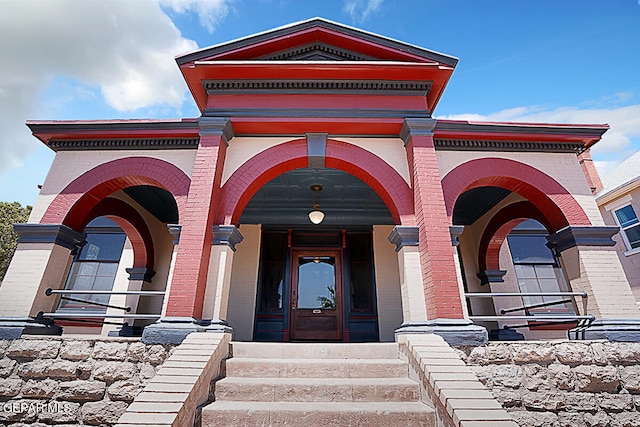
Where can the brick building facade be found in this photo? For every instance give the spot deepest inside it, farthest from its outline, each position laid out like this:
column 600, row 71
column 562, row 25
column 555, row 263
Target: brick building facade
column 172, row 226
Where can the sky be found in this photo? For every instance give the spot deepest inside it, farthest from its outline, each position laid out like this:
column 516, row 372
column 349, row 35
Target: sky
column 569, row 61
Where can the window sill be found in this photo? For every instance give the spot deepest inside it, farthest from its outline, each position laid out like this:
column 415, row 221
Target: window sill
column 632, row 252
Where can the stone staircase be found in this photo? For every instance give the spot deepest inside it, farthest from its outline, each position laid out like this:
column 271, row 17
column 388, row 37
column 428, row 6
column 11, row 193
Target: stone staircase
column 300, row 384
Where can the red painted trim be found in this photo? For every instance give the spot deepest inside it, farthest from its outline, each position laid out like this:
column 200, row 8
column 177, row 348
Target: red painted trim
column 268, row 164
column 499, row 228
column 302, row 125
column 132, row 223
column 194, row 74
column 545, row 193
column 322, row 101
column 86, row 191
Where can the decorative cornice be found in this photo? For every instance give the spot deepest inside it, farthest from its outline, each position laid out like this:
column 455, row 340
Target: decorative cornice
column 479, row 145
column 290, row 86
column 140, row 274
column 124, row 144
column 216, row 126
column 226, row 235
column 571, row 236
column 49, row 233
column 402, row 236
column 417, row 126
column 315, row 112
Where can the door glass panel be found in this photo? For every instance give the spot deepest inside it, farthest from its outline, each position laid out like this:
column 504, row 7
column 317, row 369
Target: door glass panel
column 316, row 282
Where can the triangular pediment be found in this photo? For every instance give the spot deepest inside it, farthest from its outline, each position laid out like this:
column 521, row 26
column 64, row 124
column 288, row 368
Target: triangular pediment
column 317, row 39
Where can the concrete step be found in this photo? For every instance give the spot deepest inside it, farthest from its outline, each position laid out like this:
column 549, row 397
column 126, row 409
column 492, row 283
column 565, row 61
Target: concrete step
column 315, row 350
column 314, row 414
column 317, row 389
column 316, row 368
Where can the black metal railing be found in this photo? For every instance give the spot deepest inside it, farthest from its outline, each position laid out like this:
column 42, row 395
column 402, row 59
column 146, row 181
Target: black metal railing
column 547, row 319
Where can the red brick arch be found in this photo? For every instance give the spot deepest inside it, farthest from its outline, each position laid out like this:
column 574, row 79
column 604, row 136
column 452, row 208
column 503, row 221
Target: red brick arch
column 263, row 167
column 499, row 228
column 557, row 205
column 85, row 192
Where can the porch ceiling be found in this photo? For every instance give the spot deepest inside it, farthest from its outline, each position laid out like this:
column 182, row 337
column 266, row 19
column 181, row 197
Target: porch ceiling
column 287, row 200
column 474, row 203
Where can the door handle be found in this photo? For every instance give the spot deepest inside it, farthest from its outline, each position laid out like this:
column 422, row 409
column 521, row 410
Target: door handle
column 293, row 305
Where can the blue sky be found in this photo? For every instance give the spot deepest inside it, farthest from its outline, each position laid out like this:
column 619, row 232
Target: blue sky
column 569, row 61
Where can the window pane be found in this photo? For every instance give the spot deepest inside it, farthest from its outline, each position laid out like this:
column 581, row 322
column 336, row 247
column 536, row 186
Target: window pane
column 626, row 216
column 525, row 271
column 274, row 247
column 107, row 269
column 316, row 282
column 360, row 277
column 103, row 247
column 633, row 235
column 530, row 249
column 545, row 271
column 86, row 268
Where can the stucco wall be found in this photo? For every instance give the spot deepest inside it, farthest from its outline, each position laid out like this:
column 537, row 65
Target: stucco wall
column 562, row 383
column 73, row 381
column 244, row 282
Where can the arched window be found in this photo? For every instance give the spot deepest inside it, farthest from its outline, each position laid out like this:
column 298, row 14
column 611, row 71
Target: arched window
column 94, row 267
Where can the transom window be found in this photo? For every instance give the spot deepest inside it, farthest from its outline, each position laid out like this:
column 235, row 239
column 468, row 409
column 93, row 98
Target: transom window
column 630, row 226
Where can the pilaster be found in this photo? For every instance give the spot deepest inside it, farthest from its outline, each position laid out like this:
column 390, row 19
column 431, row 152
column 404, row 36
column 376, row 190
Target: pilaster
column 41, row 261
column 441, row 290
column 189, row 279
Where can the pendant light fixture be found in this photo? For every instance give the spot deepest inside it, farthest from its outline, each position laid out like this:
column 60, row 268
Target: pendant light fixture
column 316, row 215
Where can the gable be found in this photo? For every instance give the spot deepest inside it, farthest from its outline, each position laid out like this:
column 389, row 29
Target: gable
column 317, row 39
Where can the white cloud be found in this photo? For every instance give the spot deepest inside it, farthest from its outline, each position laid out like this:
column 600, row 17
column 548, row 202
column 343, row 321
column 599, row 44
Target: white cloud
column 124, row 49
column 618, row 142
column 359, row 10
column 210, row 12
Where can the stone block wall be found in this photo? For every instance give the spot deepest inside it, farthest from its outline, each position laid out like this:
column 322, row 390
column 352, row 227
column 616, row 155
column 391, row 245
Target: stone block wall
column 557, row 384
column 73, row 381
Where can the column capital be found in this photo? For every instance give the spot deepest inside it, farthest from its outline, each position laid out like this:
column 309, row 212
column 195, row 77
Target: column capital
column 402, row 236
column 140, row 273
column 174, row 230
column 226, row 235
column 59, row 234
column 416, row 127
column 216, row 126
column 491, row 276
column 455, row 231
column 571, row 236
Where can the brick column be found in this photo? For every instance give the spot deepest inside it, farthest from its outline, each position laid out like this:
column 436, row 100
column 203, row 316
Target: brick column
column 41, row 261
column 591, row 264
column 186, row 296
column 445, row 315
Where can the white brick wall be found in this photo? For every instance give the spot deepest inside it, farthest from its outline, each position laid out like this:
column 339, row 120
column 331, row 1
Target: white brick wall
column 387, row 283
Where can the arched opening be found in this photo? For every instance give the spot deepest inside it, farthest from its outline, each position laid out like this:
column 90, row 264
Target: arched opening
column 314, row 281
column 503, row 251
column 128, row 281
